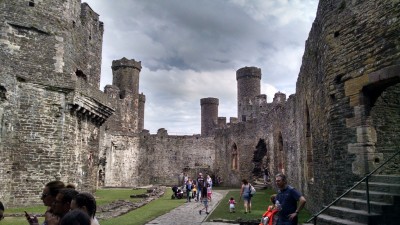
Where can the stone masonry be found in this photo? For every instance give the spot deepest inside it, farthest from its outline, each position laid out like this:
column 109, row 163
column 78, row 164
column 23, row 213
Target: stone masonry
column 342, row 122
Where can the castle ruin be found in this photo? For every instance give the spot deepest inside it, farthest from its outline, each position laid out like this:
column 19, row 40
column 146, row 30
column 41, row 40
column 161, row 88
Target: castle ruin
column 55, row 123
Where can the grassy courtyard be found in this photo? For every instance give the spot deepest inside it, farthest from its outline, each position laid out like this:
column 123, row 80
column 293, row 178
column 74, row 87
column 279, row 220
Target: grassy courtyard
column 160, row 206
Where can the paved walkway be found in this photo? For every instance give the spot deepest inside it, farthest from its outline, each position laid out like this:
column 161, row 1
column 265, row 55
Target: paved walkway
column 188, row 213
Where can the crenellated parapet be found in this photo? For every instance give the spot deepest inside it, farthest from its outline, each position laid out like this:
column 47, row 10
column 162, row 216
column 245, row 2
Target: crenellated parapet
column 209, row 101
column 126, row 75
column 112, row 91
column 126, row 63
column 279, row 97
column 221, row 122
column 248, row 72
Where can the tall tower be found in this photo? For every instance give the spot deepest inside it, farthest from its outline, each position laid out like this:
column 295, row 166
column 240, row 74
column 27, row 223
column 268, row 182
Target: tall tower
column 126, row 76
column 209, row 115
column 129, row 114
column 248, row 86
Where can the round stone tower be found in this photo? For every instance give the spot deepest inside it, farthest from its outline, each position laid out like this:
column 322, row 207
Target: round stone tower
column 248, row 86
column 126, row 75
column 209, row 115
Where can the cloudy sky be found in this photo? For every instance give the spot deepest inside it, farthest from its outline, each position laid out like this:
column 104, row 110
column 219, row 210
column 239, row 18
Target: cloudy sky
column 191, row 49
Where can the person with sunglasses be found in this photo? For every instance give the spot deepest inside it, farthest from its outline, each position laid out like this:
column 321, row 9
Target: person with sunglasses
column 48, row 197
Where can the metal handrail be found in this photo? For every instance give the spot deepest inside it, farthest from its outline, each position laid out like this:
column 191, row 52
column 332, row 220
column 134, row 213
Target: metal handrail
column 314, row 218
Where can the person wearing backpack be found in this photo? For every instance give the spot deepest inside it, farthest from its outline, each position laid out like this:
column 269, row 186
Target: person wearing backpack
column 245, row 194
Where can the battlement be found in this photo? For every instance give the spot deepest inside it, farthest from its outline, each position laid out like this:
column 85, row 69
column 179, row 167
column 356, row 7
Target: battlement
column 279, row 97
column 214, row 101
column 247, row 72
column 126, row 63
column 221, row 122
column 142, row 98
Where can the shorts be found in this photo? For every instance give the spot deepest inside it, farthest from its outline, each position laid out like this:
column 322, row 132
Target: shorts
column 205, row 202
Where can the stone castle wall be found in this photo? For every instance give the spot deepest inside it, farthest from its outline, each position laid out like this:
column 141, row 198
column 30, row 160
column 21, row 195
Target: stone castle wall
column 349, row 43
column 50, row 106
column 165, row 157
column 55, row 124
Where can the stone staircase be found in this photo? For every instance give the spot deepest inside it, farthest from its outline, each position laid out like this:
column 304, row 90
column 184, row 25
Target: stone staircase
column 352, row 209
column 258, row 184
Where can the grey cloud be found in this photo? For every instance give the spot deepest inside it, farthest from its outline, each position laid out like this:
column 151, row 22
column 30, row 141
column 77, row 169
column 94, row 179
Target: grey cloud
column 191, row 49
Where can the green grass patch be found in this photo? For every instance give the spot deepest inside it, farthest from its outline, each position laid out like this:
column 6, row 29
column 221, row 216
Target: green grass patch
column 259, row 204
column 148, row 212
column 30, row 209
column 105, row 196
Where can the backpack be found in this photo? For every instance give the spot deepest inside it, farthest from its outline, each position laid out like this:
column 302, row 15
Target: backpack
column 252, row 190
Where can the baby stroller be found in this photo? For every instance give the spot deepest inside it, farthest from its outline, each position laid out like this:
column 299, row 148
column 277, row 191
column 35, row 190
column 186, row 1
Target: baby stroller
column 178, row 193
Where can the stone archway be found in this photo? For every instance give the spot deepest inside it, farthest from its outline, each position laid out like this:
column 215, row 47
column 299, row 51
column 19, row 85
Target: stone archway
column 374, row 98
column 260, row 159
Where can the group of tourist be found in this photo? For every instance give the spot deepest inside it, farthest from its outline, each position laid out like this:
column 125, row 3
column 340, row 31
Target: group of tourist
column 65, row 206
column 284, row 203
column 199, row 189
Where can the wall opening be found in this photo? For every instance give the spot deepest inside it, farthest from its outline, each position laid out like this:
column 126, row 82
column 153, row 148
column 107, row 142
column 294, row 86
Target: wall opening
column 234, row 157
column 281, row 157
column 31, row 3
column 260, row 159
column 3, row 92
column 382, row 107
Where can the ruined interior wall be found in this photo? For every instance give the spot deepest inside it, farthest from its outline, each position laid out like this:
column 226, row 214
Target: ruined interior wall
column 246, row 136
column 122, row 160
column 341, row 51
column 164, row 157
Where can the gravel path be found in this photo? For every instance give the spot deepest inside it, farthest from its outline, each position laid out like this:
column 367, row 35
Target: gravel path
column 188, row 213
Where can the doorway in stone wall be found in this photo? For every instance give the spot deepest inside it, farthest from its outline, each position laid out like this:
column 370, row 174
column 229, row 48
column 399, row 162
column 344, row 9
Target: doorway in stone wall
column 383, row 109
column 260, row 159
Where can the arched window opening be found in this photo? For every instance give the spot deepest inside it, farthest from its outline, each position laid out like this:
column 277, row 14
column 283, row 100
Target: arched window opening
column 235, row 164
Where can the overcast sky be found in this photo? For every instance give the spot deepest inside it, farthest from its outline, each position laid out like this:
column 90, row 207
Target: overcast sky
column 191, row 49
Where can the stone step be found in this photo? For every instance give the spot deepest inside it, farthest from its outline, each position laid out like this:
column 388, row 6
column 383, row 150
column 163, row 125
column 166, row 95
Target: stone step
column 360, row 216
column 392, row 179
column 360, row 204
column 324, row 219
column 376, row 196
column 380, row 186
